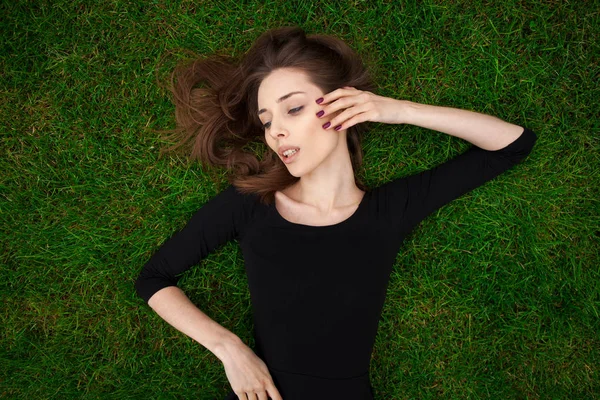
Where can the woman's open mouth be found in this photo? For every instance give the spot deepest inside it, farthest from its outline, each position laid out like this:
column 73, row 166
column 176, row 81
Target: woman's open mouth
column 290, row 156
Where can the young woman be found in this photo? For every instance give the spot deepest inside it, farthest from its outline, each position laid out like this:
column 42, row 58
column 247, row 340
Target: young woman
column 318, row 245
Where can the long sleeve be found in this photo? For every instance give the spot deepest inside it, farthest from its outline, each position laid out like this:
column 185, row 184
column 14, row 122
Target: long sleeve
column 218, row 221
column 414, row 197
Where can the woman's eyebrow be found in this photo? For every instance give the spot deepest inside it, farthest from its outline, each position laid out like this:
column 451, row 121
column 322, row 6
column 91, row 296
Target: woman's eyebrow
column 279, row 101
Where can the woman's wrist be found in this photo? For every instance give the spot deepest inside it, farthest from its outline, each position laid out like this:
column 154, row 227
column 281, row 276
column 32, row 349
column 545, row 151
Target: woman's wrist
column 227, row 346
column 407, row 111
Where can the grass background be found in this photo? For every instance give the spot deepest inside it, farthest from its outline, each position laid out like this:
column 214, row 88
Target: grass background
column 496, row 295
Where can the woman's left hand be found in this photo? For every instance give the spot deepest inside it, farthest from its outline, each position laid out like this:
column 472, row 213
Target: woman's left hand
column 356, row 106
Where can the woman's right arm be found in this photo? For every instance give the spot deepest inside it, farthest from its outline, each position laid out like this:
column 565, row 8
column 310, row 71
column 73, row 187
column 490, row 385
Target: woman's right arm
column 220, row 220
column 246, row 372
column 172, row 305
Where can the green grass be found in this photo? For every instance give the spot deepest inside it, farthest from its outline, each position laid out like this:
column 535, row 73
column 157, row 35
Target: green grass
column 495, row 295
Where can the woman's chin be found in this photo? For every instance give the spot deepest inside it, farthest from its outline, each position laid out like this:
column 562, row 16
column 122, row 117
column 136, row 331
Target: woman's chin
column 295, row 172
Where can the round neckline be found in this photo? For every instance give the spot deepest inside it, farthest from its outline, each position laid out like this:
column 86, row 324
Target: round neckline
column 304, row 226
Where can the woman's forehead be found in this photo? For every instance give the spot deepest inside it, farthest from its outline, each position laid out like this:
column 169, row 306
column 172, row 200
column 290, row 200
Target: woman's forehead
column 281, row 82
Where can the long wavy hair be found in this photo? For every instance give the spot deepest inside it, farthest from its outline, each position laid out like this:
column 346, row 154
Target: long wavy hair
column 216, row 105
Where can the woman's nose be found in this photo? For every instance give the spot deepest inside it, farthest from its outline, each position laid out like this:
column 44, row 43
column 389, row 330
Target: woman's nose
column 278, row 131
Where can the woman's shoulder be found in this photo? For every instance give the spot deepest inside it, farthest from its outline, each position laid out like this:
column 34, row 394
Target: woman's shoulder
column 233, row 193
column 230, row 207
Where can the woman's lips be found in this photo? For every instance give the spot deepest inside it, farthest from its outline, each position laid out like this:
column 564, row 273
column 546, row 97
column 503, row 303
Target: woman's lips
column 291, row 158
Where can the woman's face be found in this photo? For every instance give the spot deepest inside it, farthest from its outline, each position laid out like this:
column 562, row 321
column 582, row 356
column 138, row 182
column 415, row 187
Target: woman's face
column 287, row 110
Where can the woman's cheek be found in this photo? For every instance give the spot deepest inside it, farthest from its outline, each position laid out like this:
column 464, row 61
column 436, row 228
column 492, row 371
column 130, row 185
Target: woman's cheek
column 311, row 120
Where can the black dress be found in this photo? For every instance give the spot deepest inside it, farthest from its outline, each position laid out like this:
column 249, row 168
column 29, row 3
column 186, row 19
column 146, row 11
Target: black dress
column 317, row 291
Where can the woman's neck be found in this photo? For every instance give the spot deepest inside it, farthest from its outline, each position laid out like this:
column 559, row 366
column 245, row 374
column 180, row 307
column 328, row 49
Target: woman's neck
column 330, row 186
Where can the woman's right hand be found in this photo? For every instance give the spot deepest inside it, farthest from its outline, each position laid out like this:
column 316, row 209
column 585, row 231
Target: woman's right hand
column 248, row 374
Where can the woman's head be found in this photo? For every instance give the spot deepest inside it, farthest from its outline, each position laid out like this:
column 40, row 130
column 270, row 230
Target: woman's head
column 287, row 108
column 318, row 62
column 222, row 121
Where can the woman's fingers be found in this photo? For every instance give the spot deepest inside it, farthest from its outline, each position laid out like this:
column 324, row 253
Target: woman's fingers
column 355, row 106
column 351, row 116
column 347, row 103
column 262, row 396
column 273, row 392
column 337, row 93
column 249, row 375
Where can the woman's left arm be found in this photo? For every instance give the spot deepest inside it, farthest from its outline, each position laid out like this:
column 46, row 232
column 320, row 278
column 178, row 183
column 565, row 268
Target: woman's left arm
column 484, row 131
column 497, row 146
column 355, row 106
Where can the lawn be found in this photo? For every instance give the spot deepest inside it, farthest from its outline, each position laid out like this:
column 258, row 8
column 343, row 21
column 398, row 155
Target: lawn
column 495, row 295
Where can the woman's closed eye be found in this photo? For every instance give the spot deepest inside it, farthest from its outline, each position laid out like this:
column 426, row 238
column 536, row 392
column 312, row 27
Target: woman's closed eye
column 292, row 111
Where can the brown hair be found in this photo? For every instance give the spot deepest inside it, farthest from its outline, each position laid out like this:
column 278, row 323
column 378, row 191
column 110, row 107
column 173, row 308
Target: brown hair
column 218, row 124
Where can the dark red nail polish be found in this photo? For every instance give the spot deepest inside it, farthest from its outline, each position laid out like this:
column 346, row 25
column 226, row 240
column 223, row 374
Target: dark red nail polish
column 320, row 113
column 337, row 128
column 319, row 100
column 326, row 125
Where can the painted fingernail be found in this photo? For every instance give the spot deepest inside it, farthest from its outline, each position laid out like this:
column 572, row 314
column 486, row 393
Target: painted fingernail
column 337, row 128
column 319, row 100
column 326, row 125
column 320, row 113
